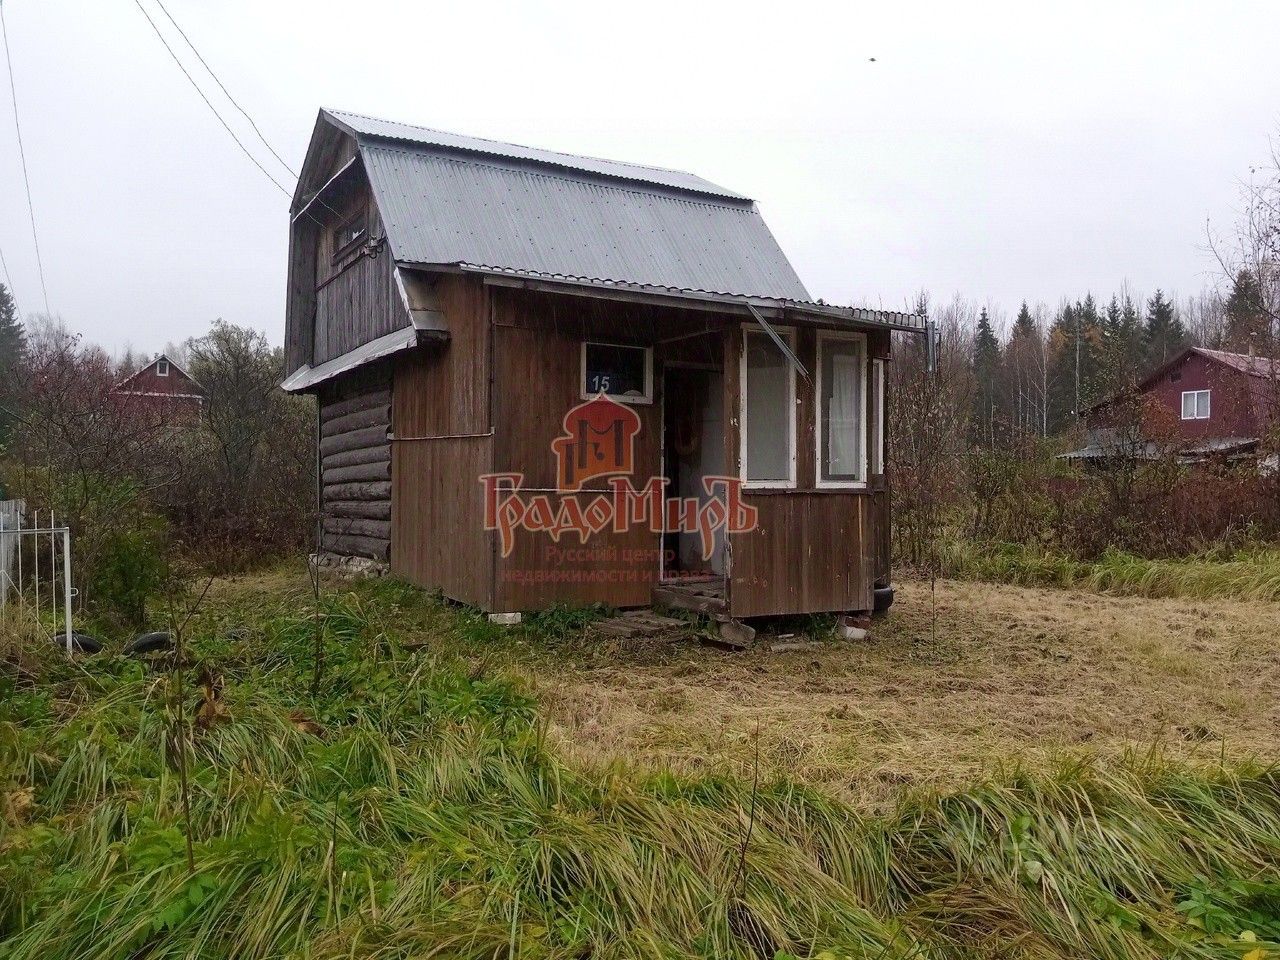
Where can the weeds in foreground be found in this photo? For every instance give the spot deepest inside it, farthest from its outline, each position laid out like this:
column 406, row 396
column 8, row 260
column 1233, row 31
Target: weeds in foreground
column 1247, row 575
column 411, row 807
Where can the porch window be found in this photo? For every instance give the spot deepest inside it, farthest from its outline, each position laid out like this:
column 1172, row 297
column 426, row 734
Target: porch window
column 768, row 411
column 876, row 459
column 1195, row 404
column 842, row 389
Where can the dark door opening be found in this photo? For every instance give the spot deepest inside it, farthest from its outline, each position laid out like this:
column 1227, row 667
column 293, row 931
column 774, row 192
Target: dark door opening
column 693, row 448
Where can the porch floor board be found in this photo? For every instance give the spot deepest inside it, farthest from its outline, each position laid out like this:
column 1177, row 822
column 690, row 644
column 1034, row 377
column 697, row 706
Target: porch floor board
column 700, row 594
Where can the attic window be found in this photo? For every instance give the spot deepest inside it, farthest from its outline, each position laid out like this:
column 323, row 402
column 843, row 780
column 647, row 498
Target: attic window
column 350, row 232
column 162, row 367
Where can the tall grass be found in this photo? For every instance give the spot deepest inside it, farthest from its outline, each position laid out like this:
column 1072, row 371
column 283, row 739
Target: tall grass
column 1246, row 575
column 411, row 808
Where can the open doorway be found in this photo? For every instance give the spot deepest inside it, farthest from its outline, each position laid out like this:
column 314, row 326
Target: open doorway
column 693, row 448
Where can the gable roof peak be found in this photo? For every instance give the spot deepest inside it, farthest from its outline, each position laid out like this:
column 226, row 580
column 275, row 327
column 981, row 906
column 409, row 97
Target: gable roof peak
column 365, row 128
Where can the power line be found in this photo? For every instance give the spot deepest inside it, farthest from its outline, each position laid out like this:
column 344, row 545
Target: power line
column 8, row 284
column 209, row 104
column 26, row 179
column 265, row 142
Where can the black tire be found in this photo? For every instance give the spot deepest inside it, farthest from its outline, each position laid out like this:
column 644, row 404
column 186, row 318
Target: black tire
column 158, row 641
column 80, row 642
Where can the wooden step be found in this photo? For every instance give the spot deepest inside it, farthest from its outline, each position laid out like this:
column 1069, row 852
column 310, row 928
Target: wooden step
column 703, row 595
column 641, row 623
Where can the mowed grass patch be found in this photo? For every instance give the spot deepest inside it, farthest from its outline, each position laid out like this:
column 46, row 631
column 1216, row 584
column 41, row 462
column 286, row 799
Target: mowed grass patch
column 1005, row 674
column 412, row 805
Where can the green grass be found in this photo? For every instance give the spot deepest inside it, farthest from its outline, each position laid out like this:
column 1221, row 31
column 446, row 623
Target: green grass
column 411, row 807
column 1247, row 575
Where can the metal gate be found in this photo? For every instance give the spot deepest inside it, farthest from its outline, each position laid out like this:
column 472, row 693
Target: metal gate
column 35, row 568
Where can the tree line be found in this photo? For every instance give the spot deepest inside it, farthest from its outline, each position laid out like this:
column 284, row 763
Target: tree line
column 144, row 486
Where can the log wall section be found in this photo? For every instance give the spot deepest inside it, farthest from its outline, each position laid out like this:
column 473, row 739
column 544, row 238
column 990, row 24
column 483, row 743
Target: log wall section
column 355, row 465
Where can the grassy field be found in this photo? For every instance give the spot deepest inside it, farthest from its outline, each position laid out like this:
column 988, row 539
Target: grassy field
column 1007, row 675
column 1246, row 575
column 982, row 784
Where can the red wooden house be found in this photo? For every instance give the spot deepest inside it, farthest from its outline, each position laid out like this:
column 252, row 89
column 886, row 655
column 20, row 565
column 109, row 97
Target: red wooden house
column 164, row 387
column 1202, row 404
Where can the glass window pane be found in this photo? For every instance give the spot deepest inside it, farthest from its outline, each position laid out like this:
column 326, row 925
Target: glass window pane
column 616, row 371
column 842, row 402
column 876, row 453
column 768, row 408
column 1188, row 405
column 1202, row 405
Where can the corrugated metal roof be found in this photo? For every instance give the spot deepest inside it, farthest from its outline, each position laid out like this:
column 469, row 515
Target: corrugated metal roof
column 444, row 208
column 781, row 306
column 1252, row 365
column 361, row 126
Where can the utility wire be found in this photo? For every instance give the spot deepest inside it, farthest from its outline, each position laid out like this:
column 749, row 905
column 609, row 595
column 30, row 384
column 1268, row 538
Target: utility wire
column 8, row 284
column 265, row 142
column 212, row 108
column 26, row 179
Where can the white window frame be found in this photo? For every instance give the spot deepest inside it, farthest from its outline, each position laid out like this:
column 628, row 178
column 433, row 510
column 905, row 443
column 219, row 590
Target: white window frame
column 877, row 425
column 1195, row 395
column 162, row 367
column 824, row 337
column 648, row 372
column 788, row 336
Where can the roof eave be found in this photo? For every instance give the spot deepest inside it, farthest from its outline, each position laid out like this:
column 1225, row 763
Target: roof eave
column 775, row 307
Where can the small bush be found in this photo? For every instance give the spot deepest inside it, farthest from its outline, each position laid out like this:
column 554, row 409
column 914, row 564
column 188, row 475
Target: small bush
column 131, row 570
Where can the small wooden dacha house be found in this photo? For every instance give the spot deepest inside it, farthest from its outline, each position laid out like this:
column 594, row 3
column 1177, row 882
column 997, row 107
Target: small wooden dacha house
column 551, row 379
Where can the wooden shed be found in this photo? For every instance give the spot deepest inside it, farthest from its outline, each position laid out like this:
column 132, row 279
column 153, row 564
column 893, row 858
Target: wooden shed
column 551, row 379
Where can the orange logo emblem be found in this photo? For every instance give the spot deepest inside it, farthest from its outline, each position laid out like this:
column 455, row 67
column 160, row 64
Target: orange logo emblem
column 599, row 440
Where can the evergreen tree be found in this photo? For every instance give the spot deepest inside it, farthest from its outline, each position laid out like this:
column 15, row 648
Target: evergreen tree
column 13, row 339
column 1123, row 353
column 1164, row 336
column 1247, row 325
column 1076, row 362
column 13, row 347
column 1025, row 374
column 986, row 374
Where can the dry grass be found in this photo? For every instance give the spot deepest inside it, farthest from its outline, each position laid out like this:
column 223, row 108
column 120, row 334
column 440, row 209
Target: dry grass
column 1014, row 675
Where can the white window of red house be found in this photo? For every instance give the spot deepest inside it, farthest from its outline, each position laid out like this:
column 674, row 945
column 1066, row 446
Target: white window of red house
column 1195, row 404
column 162, row 367
column 842, row 410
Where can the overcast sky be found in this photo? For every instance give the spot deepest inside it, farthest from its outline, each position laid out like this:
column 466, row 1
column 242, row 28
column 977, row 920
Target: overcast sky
column 1000, row 151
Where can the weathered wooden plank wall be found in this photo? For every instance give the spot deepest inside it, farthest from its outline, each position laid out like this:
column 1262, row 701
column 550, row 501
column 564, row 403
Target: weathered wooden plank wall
column 359, row 301
column 355, row 465
column 537, row 369
column 307, row 234
column 443, row 443
column 811, row 552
